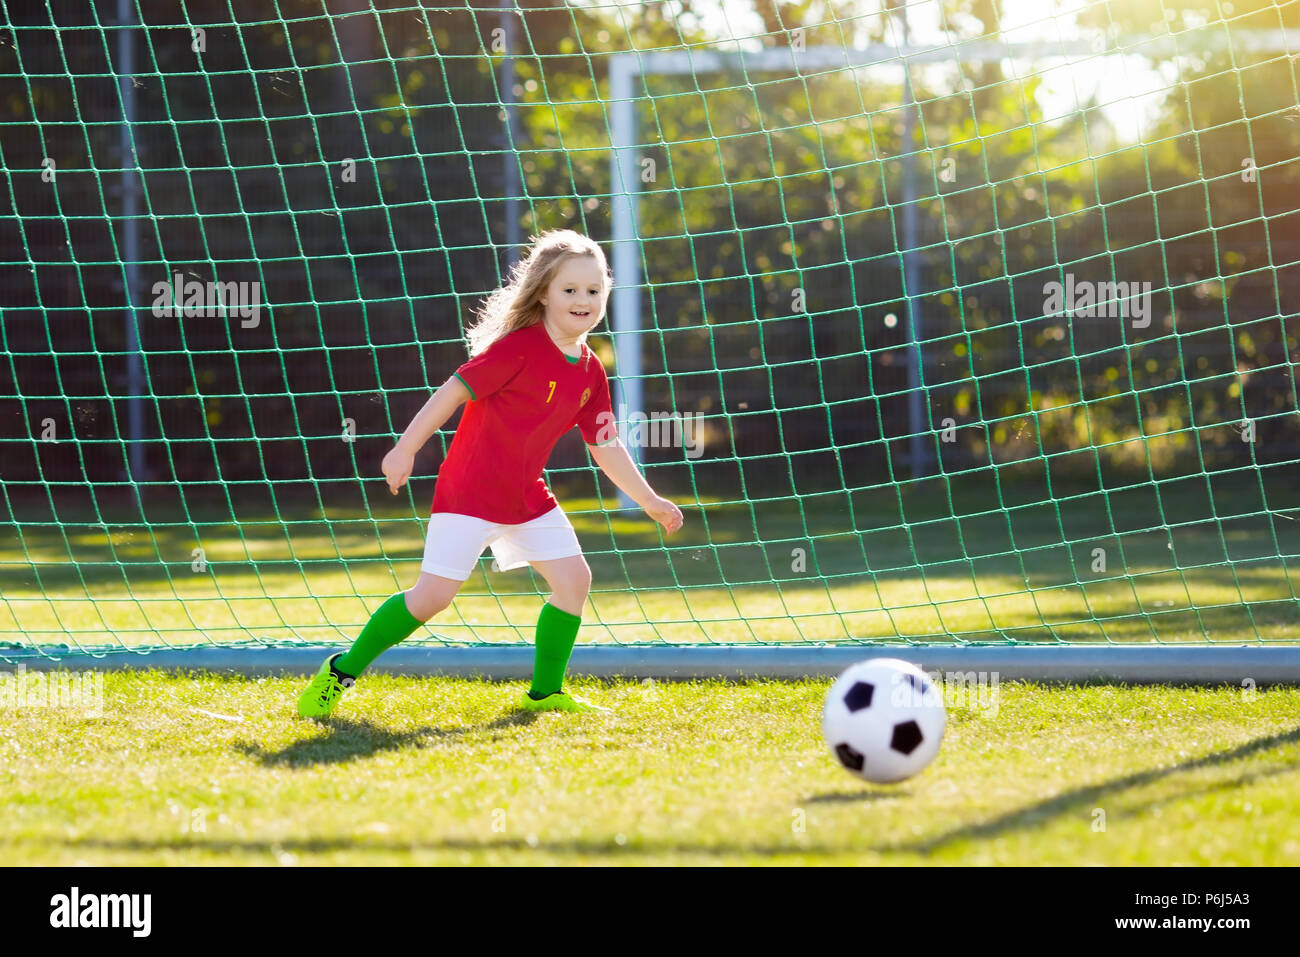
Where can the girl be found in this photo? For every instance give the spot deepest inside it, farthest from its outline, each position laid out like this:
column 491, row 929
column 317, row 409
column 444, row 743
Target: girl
column 530, row 378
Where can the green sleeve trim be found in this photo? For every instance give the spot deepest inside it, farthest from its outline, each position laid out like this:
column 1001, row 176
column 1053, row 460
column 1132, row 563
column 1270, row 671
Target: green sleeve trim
column 462, row 379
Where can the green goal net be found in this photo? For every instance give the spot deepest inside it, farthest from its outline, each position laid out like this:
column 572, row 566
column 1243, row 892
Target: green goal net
column 941, row 322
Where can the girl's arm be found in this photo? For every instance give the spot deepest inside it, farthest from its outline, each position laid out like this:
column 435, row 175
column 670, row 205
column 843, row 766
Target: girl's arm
column 400, row 461
column 622, row 471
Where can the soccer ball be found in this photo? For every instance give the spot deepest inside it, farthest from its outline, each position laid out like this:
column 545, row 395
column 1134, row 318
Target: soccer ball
column 884, row 720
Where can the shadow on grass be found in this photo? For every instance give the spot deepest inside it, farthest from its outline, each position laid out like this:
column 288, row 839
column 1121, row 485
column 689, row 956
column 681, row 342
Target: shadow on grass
column 607, row 847
column 349, row 740
column 1081, row 801
column 857, row 797
column 1027, row 817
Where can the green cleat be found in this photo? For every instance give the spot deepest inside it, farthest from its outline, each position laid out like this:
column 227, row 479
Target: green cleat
column 324, row 691
column 558, row 701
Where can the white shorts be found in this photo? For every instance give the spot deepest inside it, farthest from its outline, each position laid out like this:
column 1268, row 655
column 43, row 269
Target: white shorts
column 455, row 542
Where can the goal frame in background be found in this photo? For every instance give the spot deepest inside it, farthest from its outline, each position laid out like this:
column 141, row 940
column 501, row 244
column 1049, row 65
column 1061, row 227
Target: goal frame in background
column 1177, row 664
column 626, row 68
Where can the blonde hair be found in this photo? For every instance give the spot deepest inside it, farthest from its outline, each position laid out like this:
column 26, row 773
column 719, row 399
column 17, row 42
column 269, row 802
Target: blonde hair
column 518, row 303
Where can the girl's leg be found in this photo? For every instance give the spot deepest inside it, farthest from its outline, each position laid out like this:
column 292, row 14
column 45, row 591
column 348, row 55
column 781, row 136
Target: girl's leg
column 557, row 625
column 430, row 595
column 570, row 581
column 396, row 619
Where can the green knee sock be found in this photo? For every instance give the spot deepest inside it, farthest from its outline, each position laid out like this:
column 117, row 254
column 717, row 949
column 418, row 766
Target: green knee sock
column 556, row 631
column 390, row 624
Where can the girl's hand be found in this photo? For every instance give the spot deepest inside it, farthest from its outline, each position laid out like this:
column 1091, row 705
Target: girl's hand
column 397, row 467
column 665, row 513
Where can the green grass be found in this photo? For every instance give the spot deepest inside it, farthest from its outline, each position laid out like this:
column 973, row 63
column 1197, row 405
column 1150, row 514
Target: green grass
column 981, row 563
column 200, row 769
column 420, row 770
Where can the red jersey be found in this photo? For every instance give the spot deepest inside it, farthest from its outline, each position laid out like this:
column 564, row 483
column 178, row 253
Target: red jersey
column 525, row 394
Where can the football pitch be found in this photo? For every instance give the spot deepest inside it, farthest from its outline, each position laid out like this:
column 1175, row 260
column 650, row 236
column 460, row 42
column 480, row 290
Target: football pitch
column 204, row 770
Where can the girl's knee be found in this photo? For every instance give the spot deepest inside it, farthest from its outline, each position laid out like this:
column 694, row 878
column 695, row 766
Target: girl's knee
column 421, row 609
column 423, row 602
column 575, row 585
column 422, row 613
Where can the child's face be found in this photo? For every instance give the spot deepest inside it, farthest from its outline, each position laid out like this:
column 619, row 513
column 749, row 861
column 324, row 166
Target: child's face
column 575, row 299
